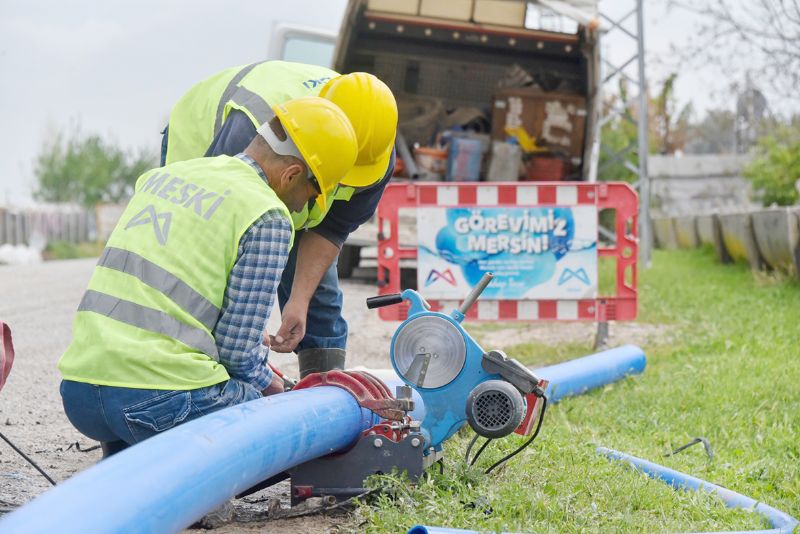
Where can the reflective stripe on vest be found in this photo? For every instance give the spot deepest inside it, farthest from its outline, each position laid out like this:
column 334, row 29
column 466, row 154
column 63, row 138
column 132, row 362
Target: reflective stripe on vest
column 154, row 276
column 256, row 105
column 229, row 92
column 150, row 319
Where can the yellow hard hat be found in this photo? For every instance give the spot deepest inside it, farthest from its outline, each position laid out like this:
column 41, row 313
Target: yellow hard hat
column 325, row 138
column 372, row 110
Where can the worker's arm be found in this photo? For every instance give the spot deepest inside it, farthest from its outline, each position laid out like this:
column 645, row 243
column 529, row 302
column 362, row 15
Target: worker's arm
column 236, row 133
column 249, row 297
column 316, row 252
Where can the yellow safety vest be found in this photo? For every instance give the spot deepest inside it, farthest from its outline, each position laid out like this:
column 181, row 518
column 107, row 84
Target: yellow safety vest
column 147, row 318
column 253, row 89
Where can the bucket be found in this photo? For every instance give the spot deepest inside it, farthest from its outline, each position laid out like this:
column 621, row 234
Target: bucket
column 464, row 162
column 432, row 161
column 545, row 169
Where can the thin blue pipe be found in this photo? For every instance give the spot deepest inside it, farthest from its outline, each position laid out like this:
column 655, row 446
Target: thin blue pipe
column 780, row 521
column 167, row 482
column 575, row 377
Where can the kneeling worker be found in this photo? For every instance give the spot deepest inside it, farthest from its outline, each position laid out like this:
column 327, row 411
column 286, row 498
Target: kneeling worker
column 172, row 325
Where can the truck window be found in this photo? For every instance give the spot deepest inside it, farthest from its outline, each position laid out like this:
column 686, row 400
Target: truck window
column 305, row 50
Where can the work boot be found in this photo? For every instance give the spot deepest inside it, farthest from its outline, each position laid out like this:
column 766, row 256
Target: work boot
column 319, row 360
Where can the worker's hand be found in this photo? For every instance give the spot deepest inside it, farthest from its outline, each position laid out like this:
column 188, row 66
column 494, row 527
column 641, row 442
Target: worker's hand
column 276, row 386
column 293, row 327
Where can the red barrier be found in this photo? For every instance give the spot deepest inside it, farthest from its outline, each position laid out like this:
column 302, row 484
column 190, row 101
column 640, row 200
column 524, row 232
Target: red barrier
column 618, row 196
column 6, row 353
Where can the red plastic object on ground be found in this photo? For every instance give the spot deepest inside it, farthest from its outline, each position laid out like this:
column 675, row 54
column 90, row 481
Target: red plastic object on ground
column 370, row 392
column 6, row 353
column 617, row 196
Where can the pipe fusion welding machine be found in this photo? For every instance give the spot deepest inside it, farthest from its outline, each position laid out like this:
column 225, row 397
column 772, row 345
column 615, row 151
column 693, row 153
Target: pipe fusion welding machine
column 448, row 380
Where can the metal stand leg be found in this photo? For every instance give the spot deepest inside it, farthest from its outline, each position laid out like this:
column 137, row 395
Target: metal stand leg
column 601, row 337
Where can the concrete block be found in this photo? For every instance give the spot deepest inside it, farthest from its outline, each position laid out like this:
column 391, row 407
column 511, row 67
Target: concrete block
column 739, row 240
column 664, row 233
column 777, row 234
column 686, row 231
column 705, row 229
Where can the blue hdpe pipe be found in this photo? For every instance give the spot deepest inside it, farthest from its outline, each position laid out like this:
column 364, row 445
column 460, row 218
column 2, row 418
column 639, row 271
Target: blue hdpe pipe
column 171, row 480
column 782, row 523
column 576, row 377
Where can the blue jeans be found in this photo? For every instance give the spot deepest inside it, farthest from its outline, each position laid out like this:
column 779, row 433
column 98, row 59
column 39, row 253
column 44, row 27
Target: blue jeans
column 325, row 326
column 112, row 415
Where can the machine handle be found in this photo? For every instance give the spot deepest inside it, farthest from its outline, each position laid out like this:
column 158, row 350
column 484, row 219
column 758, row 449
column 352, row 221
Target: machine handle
column 384, row 300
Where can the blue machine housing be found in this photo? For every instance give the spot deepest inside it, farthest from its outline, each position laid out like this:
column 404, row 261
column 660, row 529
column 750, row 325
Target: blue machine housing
column 445, row 406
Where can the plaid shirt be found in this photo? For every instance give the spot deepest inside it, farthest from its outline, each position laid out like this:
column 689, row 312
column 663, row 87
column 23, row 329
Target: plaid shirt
column 250, row 294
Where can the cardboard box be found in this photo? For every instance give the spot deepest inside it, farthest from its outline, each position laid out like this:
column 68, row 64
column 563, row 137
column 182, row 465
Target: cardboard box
column 557, row 121
column 402, row 7
column 447, row 9
column 501, row 12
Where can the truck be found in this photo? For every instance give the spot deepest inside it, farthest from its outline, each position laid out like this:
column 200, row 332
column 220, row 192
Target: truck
column 491, row 90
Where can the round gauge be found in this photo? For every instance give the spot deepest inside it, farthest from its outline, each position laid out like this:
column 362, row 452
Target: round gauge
column 429, row 352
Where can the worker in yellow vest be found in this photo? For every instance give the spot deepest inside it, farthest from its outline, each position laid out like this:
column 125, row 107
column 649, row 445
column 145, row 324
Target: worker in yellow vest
column 220, row 115
column 172, row 324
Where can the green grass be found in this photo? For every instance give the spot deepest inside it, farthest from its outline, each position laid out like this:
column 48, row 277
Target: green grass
column 731, row 373
column 64, row 250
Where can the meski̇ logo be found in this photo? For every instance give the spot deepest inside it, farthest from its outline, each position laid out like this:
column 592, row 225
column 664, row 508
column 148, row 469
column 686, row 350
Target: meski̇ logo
column 435, row 275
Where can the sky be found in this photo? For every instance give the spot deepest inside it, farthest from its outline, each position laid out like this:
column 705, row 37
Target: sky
column 116, row 67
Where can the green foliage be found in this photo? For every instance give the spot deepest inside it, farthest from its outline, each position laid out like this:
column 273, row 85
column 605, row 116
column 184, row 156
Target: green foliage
column 776, row 167
column 87, row 170
column 64, row 250
column 728, row 371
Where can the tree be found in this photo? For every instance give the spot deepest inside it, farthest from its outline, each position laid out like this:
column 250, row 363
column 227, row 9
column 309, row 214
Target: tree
column 87, row 170
column 742, row 37
column 668, row 127
column 775, row 170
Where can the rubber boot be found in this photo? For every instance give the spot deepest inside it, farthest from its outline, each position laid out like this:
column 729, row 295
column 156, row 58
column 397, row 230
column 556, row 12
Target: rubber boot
column 319, row 360
column 111, row 448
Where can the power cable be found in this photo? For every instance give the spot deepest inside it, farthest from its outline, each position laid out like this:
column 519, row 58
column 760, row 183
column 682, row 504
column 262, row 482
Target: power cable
column 34, row 464
column 520, row 449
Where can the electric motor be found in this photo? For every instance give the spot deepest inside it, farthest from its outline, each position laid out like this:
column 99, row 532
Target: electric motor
column 495, row 408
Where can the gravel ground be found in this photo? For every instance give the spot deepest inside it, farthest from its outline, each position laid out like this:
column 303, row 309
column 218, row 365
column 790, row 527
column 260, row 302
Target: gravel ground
column 39, row 303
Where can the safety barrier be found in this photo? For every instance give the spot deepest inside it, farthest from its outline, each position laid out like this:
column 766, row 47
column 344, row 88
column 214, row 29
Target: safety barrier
column 619, row 197
column 765, row 239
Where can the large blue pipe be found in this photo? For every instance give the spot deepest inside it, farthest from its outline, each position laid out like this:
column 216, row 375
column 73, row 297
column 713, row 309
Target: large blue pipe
column 171, row 480
column 782, row 523
column 575, row 377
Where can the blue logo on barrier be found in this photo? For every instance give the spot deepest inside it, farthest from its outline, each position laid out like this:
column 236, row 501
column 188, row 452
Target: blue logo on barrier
column 569, row 274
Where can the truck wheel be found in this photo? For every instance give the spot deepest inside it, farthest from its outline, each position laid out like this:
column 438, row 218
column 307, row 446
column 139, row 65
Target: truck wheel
column 349, row 257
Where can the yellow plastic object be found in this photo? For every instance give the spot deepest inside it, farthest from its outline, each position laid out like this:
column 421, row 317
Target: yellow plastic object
column 325, row 138
column 527, row 143
column 372, row 110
